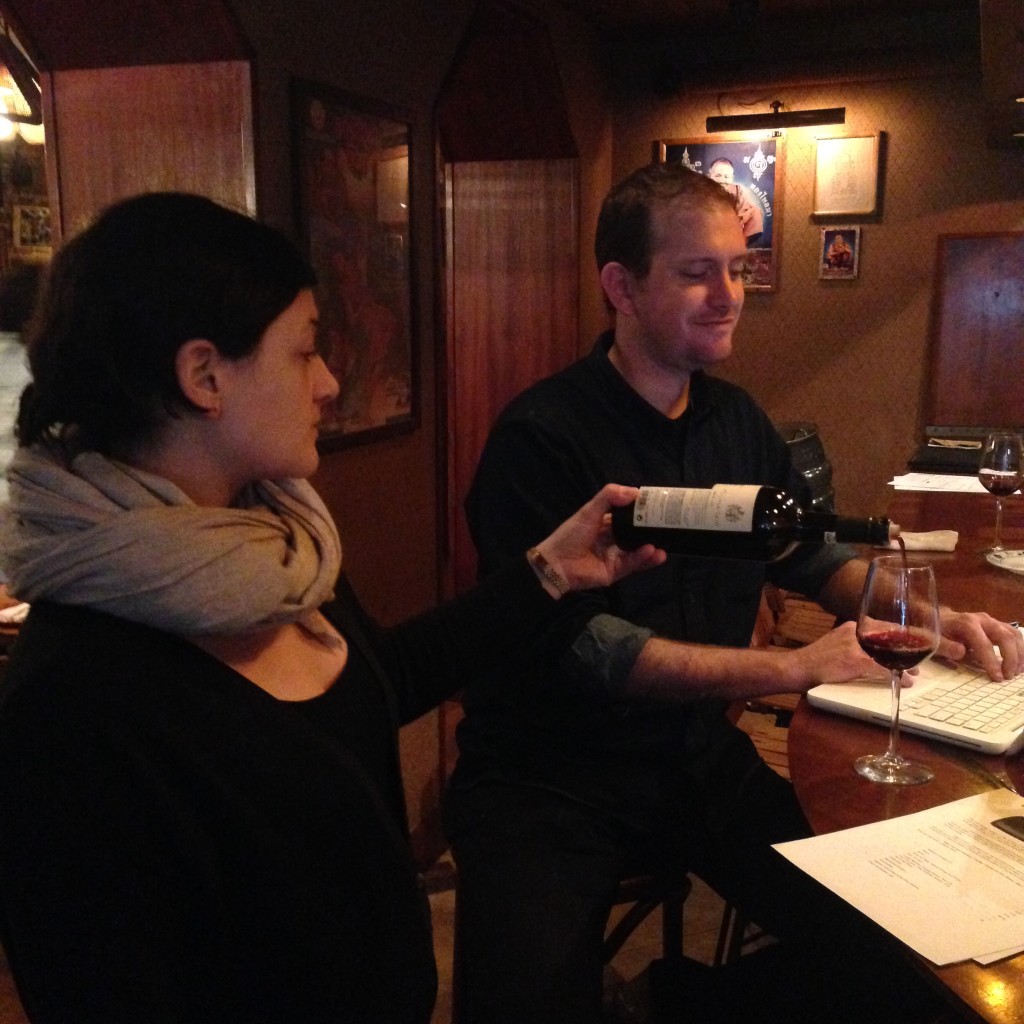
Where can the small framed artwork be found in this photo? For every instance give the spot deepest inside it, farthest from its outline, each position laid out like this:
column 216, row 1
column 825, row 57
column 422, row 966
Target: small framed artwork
column 750, row 169
column 31, row 239
column 840, row 253
column 846, row 176
column 352, row 208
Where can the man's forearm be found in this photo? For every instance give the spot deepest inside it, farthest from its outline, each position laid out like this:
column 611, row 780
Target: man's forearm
column 628, row 661
column 673, row 671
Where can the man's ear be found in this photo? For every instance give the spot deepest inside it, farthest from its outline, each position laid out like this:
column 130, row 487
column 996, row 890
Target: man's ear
column 619, row 286
column 196, row 365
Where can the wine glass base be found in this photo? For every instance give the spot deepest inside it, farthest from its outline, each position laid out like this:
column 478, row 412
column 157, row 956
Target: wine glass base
column 896, row 771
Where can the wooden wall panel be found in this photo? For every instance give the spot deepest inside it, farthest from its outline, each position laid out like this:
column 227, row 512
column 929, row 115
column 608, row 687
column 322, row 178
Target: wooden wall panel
column 113, row 132
column 976, row 367
column 512, row 265
column 512, row 271
column 1002, row 61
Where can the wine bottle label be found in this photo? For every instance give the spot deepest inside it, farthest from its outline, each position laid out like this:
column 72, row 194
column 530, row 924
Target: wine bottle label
column 722, row 507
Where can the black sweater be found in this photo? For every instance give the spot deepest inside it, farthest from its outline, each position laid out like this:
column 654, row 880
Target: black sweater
column 549, row 723
column 179, row 847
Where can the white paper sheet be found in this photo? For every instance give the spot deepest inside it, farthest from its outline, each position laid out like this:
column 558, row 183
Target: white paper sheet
column 945, row 881
column 1001, row 954
column 938, row 482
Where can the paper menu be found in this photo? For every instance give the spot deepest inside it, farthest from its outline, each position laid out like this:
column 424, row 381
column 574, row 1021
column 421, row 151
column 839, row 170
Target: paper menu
column 938, row 482
column 945, row 881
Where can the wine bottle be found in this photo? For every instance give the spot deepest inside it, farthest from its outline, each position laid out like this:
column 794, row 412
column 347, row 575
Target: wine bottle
column 735, row 521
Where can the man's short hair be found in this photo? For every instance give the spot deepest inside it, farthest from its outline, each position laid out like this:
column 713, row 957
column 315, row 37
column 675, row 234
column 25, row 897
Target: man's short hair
column 624, row 226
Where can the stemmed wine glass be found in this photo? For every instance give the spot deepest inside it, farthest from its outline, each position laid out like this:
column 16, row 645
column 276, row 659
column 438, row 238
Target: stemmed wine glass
column 1001, row 472
column 898, row 626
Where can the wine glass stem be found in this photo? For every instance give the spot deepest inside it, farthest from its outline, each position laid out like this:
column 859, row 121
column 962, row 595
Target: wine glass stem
column 894, row 721
column 996, row 544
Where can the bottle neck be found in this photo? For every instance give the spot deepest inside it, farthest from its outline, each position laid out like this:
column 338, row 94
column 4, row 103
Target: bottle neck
column 825, row 527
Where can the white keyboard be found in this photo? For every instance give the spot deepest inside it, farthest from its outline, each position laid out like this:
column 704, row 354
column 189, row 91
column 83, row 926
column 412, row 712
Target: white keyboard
column 977, row 704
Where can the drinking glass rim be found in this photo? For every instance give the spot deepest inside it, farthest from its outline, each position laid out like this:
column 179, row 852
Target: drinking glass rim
column 897, row 560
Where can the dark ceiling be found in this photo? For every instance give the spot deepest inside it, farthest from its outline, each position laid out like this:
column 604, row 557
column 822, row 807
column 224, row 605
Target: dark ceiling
column 663, row 47
column 629, row 15
column 672, row 46
column 74, row 34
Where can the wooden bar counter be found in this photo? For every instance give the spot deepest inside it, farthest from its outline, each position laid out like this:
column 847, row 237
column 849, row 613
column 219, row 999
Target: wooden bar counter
column 823, row 746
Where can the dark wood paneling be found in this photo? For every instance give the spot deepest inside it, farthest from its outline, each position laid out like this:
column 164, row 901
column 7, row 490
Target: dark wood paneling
column 1002, row 62
column 64, row 34
column 503, row 98
column 976, row 369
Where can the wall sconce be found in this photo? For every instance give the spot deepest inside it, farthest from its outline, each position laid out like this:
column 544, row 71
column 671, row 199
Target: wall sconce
column 776, row 120
column 21, row 109
column 12, row 115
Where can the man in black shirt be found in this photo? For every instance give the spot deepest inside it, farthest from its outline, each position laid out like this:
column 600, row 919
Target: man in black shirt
column 621, row 756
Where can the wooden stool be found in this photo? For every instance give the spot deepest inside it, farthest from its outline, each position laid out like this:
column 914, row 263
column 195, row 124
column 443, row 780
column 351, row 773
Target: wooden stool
column 646, row 893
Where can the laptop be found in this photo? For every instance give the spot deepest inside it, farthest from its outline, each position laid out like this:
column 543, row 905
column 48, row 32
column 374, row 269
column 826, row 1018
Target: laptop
column 954, row 703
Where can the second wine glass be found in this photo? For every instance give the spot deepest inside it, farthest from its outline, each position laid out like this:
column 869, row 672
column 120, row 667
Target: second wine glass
column 1001, row 472
column 898, row 626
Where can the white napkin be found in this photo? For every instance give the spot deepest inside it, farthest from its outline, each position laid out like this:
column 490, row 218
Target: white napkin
column 932, row 540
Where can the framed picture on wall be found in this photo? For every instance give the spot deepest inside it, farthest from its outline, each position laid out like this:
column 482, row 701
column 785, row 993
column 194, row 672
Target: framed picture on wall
column 839, row 259
column 751, row 169
column 846, row 176
column 352, row 208
column 31, row 240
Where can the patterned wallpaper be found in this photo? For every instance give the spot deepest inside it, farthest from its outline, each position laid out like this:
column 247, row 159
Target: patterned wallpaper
column 851, row 356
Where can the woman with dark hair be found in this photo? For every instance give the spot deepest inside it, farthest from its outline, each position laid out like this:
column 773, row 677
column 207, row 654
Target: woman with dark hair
column 200, row 795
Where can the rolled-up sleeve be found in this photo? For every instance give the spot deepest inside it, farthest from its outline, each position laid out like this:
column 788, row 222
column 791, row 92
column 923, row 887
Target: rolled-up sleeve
column 605, row 651
column 810, row 567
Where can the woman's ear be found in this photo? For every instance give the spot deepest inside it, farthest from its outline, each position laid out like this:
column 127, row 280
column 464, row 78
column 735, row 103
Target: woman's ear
column 196, row 365
column 618, row 284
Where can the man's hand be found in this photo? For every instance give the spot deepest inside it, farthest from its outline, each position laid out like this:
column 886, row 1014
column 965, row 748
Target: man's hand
column 996, row 647
column 836, row 657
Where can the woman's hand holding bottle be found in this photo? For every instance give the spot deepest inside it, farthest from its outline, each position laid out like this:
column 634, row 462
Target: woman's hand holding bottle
column 582, row 553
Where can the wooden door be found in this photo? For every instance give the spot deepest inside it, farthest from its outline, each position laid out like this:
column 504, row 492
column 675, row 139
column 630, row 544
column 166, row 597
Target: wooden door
column 512, row 302
column 512, row 306
column 511, row 177
column 976, row 369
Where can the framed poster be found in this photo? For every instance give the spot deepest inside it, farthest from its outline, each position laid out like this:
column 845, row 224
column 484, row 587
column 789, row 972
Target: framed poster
column 839, row 258
column 31, row 238
column 352, row 208
column 751, row 170
column 846, row 176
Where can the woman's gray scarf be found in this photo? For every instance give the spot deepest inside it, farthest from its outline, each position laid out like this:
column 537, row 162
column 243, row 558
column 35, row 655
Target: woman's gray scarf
column 100, row 533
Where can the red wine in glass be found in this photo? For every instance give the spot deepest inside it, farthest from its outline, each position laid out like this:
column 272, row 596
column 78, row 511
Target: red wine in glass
column 898, row 626
column 896, row 649
column 1001, row 472
column 1000, row 483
